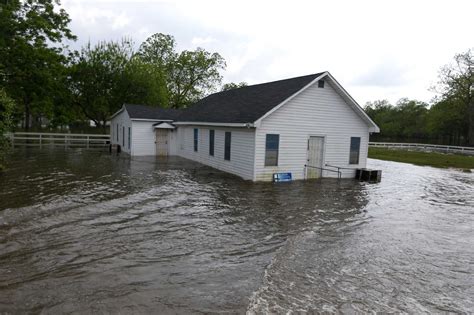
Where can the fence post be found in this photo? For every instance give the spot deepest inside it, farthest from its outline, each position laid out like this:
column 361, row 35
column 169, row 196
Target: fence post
column 87, row 140
column 40, row 141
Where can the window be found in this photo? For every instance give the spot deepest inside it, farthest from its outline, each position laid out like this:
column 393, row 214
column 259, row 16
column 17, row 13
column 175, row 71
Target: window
column 196, row 133
column 117, row 134
column 321, row 84
column 129, row 137
column 123, row 137
column 228, row 136
column 211, row 142
column 272, row 145
column 355, row 149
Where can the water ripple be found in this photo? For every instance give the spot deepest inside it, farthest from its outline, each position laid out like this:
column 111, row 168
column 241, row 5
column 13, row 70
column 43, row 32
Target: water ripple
column 88, row 232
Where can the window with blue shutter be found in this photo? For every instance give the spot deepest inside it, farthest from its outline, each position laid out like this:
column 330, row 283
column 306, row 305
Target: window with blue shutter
column 211, row 142
column 228, row 136
column 196, row 133
column 272, row 145
column 354, row 150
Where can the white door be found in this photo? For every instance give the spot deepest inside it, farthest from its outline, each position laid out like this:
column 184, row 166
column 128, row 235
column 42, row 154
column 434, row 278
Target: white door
column 162, row 142
column 315, row 157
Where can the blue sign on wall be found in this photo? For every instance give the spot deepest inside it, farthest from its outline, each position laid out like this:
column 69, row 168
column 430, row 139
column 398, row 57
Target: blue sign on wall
column 282, row 177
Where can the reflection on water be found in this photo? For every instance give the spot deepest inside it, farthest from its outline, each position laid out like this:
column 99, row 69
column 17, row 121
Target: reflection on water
column 84, row 231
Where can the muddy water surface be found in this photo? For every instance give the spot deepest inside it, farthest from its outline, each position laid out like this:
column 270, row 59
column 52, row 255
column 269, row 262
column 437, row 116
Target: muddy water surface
column 84, row 231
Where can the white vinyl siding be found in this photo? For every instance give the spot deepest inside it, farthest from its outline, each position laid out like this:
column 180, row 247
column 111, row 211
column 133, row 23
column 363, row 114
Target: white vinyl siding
column 242, row 149
column 314, row 112
column 143, row 138
column 120, row 123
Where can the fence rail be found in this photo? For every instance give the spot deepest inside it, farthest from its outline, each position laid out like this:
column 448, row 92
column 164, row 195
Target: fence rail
column 425, row 147
column 73, row 140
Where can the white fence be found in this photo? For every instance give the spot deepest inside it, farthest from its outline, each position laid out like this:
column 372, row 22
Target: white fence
column 425, row 147
column 39, row 139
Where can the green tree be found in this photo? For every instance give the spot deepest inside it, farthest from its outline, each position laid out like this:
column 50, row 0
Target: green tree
column 31, row 54
column 96, row 79
column 194, row 74
column 412, row 118
column 406, row 120
column 446, row 120
column 232, row 85
column 104, row 76
column 455, row 82
column 6, row 110
column 385, row 116
column 189, row 75
column 159, row 49
column 144, row 83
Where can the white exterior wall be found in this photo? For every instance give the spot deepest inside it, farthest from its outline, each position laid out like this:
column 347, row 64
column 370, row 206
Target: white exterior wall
column 314, row 112
column 173, row 142
column 143, row 138
column 242, row 149
column 122, row 120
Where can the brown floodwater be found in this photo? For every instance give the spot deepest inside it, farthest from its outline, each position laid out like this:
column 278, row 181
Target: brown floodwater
column 85, row 232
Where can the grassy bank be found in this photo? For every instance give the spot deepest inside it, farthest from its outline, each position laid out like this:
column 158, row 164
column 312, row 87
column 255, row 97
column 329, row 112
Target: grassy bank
column 423, row 158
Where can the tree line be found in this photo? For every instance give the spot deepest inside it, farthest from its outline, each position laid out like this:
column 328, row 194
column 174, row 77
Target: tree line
column 449, row 119
column 48, row 81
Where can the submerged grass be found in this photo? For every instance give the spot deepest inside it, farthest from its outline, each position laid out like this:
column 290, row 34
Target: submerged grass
column 434, row 159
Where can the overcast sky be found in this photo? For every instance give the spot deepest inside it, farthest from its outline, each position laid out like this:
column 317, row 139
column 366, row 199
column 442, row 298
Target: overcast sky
column 375, row 49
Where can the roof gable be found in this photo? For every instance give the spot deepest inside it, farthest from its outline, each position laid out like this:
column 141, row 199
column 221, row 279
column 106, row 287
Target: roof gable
column 246, row 104
column 341, row 91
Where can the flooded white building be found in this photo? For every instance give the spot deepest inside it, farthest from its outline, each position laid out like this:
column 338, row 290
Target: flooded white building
column 306, row 126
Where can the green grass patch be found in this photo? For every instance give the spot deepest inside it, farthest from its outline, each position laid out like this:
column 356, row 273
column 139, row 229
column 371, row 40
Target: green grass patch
column 423, row 158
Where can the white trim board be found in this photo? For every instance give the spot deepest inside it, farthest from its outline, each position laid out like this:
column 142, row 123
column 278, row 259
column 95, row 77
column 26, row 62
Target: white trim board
column 146, row 119
column 201, row 123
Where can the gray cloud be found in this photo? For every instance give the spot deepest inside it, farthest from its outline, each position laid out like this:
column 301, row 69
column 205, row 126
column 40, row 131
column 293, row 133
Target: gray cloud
column 389, row 73
column 263, row 41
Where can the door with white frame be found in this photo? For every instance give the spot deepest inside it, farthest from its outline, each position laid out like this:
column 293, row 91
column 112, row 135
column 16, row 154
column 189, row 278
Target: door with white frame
column 162, row 142
column 315, row 157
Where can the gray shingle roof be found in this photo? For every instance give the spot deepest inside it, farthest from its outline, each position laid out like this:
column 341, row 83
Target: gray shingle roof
column 151, row 112
column 242, row 105
column 245, row 104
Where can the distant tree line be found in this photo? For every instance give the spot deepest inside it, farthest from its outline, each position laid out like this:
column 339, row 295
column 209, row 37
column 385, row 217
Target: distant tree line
column 448, row 120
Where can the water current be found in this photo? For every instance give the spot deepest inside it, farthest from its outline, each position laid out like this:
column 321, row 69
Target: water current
column 85, row 232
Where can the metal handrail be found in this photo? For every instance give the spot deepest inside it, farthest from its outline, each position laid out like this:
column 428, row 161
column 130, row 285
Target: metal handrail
column 339, row 168
column 339, row 174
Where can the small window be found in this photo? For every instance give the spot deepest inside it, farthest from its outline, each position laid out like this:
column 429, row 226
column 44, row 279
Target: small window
column 117, row 134
column 123, row 136
column 321, row 84
column 196, row 133
column 272, row 145
column 129, row 137
column 355, row 150
column 227, row 141
column 211, row 142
